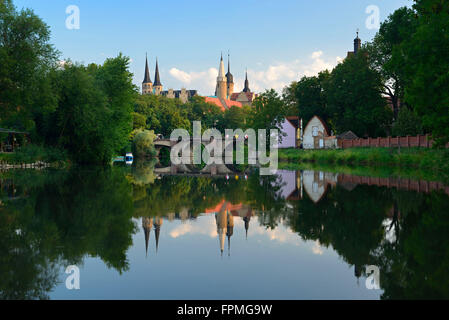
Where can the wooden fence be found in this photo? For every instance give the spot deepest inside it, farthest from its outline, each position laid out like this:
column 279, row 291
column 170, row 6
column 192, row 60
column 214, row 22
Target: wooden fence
column 423, row 141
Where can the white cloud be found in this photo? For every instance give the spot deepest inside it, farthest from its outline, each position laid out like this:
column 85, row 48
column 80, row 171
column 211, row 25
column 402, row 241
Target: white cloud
column 203, row 81
column 275, row 76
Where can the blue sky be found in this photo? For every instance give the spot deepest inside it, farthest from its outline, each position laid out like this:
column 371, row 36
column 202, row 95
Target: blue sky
column 278, row 41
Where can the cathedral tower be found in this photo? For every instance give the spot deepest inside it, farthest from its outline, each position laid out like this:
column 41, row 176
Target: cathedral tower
column 229, row 81
column 147, row 85
column 157, row 85
column 357, row 43
column 221, row 90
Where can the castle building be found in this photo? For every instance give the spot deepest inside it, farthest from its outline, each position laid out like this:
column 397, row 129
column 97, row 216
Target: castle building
column 156, row 88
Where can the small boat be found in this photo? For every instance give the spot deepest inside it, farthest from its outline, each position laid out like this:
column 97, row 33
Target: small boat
column 129, row 158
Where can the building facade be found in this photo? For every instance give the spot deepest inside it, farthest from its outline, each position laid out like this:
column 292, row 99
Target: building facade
column 157, row 88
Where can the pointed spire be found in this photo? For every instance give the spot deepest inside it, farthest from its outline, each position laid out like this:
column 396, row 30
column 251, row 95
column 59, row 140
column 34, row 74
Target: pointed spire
column 157, row 230
column 247, row 219
column 229, row 76
column 147, row 78
column 157, row 79
column 221, row 72
column 246, row 89
column 147, row 224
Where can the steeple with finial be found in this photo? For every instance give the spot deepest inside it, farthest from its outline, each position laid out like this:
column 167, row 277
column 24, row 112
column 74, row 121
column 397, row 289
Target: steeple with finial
column 157, row 230
column 157, row 85
column 147, row 223
column 229, row 79
column 246, row 88
column 357, row 43
column 147, row 86
column 221, row 90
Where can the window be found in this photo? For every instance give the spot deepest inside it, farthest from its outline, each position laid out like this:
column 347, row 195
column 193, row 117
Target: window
column 315, row 131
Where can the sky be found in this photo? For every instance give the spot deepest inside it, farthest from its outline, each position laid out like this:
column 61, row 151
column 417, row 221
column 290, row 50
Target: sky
column 277, row 41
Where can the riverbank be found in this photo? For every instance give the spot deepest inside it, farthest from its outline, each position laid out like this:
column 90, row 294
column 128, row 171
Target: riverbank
column 33, row 156
column 434, row 162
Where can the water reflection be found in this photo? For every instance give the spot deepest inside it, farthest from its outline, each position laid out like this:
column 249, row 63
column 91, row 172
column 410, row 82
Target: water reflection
column 52, row 219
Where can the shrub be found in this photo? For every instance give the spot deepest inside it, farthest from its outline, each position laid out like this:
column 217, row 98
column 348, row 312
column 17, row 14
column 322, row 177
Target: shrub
column 143, row 144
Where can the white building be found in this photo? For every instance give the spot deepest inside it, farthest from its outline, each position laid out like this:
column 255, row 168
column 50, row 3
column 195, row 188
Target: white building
column 315, row 133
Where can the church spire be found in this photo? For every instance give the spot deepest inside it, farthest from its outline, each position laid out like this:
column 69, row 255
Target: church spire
column 147, row 223
column 221, row 72
column 229, row 76
column 246, row 89
column 247, row 219
column 147, row 78
column 157, row 79
column 157, row 230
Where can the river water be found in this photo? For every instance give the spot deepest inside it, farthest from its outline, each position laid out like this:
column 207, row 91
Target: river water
column 135, row 234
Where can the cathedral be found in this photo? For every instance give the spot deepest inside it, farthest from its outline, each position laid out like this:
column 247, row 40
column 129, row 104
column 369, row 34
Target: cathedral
column 224, row 97
column 156, row 88
column 224, row 90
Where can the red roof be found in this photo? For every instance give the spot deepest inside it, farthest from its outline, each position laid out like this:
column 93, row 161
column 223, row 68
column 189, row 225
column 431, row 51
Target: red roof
column 218, row 102
column 223, row 206
column 249, row 96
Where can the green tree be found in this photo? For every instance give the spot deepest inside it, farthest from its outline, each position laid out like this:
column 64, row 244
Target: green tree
column 93, row 118
column 26, row 58
column 387, row 56
column 143, row 143
column 428, row 67
column 354, row 98
column 139, row 121
column 268, row 112
column 210, row 115
column 408, row 123
column 311, row 97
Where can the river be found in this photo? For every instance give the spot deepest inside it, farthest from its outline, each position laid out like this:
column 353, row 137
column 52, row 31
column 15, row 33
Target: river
column 135, row 234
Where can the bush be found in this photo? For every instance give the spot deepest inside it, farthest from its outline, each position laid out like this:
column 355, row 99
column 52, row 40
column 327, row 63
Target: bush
column 408, row 123
column 143, row 144
column 34, row 153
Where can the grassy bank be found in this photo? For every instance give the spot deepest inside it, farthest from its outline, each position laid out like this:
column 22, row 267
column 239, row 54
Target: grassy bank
column 33, row 153
column 435, row 162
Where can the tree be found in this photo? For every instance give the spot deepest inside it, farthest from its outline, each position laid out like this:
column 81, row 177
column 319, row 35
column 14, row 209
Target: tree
column 428, row 67
column 387, row 56
column 139, row 121
column 311, row 97
column 408, row 123
column 92, row 120
column 26, row 58
column 236, row 117
column 163, row 115
column 143, row 143
column 210, row 115
column 354, row 99
column 268, row 112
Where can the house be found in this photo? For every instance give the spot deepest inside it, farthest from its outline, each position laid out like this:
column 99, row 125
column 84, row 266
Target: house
column 291, row 132
column 315, row 134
